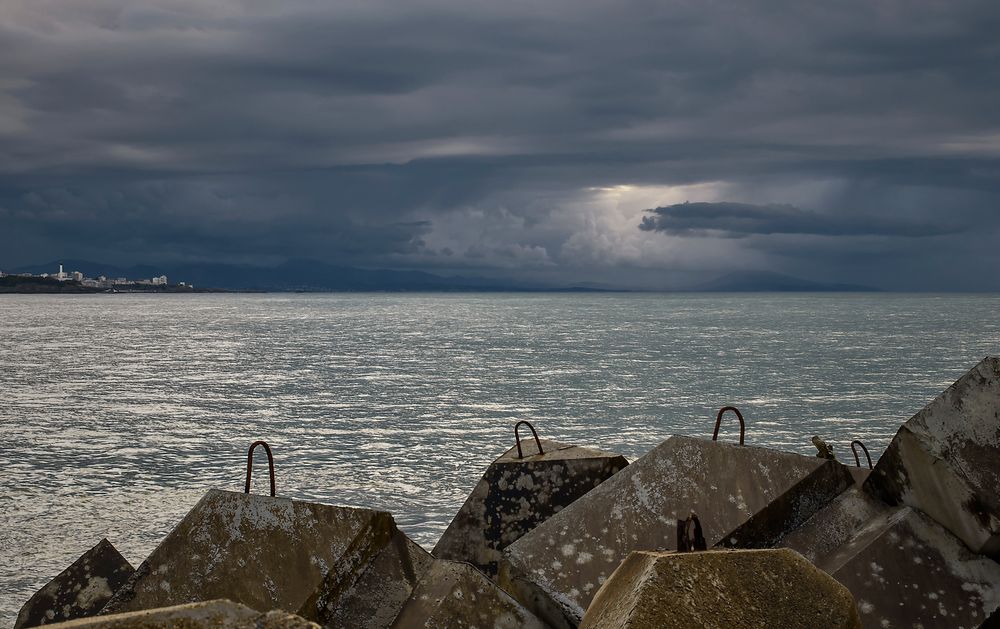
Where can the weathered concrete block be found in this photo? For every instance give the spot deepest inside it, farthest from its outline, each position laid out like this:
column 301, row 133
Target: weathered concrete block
column 517, row 494
column 945, row 460
column 78, row 591
column 833, row 526
column 454, row 594
column 767, row 527
column 370, row 585
column 217, row 614
column 263, row 552
column 739, row 588
column 904, row 569
column 567, row 558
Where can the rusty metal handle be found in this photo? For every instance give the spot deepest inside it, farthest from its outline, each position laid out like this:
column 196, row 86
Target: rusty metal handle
column 718, row 422
column 270, row 464
column 517, row 438
column 857, row 460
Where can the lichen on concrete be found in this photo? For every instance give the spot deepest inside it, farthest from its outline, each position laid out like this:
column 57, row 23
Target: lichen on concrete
column 638, row 509
column 455, row 594
column 945, row 460
column 263, row 552
column 737, row 588
column 215, row 614
column 79, row 591
column 903, row 568
column 517, row 494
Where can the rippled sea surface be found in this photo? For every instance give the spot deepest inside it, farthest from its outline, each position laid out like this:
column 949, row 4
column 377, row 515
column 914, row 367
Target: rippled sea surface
column 118, row 411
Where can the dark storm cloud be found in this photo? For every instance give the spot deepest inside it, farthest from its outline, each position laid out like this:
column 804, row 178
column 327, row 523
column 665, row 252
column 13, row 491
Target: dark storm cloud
column 739, row 220
column 483, row 135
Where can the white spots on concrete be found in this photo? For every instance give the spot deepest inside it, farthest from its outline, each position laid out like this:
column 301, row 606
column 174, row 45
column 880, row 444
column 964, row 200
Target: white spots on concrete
column 97, row 588
column 865, row 607
column 584, row 557
column 568, row 550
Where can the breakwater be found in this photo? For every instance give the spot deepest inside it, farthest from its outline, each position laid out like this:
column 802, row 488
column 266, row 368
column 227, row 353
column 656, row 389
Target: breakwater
column 912, row 541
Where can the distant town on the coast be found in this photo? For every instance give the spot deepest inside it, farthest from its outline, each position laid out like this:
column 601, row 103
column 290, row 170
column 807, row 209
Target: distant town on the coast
column 62, row 281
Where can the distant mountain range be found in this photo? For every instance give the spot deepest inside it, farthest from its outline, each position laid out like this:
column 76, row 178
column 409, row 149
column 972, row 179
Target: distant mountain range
column 313, row 276
column 765, row 281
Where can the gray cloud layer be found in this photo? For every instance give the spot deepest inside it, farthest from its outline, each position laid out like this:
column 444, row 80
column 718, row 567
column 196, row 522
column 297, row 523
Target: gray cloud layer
column 507, row 138
column 738, row 220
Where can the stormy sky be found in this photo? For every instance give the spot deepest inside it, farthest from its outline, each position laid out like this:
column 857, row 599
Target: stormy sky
column 629, row 143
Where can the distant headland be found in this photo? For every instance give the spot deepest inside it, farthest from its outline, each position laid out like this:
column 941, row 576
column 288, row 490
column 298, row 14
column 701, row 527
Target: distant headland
column 77, row 282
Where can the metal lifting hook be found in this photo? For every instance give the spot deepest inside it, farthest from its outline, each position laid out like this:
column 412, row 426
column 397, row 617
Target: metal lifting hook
column 857, row 460
column 270, row 465
column 517, row 438
column 718, row 422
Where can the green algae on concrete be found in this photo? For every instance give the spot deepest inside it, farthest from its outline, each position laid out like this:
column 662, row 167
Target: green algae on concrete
column 80, row 590
column 945, row 460
column 217, row 614
column 517, row 494
column 260, row 551
column 734, row 588
column 566, row 559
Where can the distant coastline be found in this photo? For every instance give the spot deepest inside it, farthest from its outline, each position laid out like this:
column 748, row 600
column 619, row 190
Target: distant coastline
column 76, row 282
column 14, row 284
column 312, row 276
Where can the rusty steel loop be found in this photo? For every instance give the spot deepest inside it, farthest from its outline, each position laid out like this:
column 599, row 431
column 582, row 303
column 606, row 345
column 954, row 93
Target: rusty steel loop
column 857, row 459
column 270, row 464
column 517, row 438
column 718, row 422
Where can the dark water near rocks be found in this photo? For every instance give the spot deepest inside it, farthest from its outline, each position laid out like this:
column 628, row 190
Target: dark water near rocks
column 118, row 411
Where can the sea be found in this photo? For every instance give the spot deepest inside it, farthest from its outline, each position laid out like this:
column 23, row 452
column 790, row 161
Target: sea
column 118, row 412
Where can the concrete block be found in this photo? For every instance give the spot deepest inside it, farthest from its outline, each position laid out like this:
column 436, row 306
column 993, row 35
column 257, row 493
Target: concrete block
column 263, row 552
column 739, row 588
column 567, row 558
column 788, row 511
column 517, row 494
column 904, row 569
column 454, row 594
column 217, row 614
column 945, row 460
column 78, row 591
column 369, row 586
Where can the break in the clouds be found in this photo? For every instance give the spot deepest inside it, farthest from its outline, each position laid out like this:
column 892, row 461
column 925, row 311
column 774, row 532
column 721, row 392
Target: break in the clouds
column 853, row 142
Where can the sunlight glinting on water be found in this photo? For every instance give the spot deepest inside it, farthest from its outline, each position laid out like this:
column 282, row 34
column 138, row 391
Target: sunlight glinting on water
column 120, row 411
